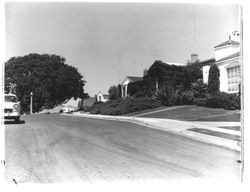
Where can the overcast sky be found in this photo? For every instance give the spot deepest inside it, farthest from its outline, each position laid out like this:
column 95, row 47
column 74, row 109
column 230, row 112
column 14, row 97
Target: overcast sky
column 108, row 41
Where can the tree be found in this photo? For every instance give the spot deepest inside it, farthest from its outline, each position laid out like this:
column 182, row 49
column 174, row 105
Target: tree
column 84, row 96
column 47, row 76
column 214, row 79
column 120, row 90
column 157, row 72
column 192, row 73
column 113, row 92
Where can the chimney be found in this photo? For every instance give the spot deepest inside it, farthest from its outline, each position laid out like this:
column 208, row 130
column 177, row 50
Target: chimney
column 145, row 72
column 194, row 58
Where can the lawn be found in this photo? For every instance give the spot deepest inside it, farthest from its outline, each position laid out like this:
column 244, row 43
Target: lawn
column 194, row 113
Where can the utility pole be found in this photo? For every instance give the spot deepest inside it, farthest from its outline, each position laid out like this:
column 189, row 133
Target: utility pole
column 119, row 56
column 31, row 103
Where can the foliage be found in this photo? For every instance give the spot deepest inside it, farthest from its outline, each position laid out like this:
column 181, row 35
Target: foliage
column 185, row 98
column 113, row 92
column 123, row 106
column 192, row 73
column 200, row 101
column 176, row 75
column 220, row 100
column 166, row 95
column 164, row 73
column 142, row 88
column 224, row 100
column 47, row 76
column 119, row 90
column 214, row 79
column 199, row 89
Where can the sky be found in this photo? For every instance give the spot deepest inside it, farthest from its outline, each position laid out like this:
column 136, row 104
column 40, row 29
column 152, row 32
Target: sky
column 109, row 41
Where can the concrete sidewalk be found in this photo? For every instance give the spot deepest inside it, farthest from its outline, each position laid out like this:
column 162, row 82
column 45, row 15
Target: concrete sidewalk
column 181, row 128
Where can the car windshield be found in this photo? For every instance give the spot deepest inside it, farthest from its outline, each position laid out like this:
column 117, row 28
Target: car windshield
column 10, row 98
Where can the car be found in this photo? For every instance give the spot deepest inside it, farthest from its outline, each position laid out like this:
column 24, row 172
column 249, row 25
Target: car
column 12, row 107
column 68, row 109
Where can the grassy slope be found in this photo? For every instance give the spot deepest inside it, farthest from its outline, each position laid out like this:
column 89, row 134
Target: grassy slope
column 194, row 113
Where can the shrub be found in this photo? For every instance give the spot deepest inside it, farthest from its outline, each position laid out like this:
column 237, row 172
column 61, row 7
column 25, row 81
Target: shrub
column 167, row 95
column 214, row 79
column 185, row 98
column 220, row 100
column 200, row 101
column 224, row 100
column 199, row 89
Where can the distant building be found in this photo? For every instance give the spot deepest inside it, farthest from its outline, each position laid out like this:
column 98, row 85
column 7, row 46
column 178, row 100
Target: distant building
column 102, row 97
column 125, row 82
column 227, row 58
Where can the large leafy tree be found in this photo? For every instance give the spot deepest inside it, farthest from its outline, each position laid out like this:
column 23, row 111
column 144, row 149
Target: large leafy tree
column 214, row 79
column 47, row 76
column 192, row 73
column 113, row 92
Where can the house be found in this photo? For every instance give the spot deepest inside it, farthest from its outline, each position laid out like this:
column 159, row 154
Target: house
column 100, row 97
column 125, row 82
column 129, row 79
column 227, row 58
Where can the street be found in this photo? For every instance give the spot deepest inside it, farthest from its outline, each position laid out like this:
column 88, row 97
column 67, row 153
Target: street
column 51, row 148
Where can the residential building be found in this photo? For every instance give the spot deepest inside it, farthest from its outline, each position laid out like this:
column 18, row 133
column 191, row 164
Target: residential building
column 102, row 97
column 227, row 58
column 126, row 81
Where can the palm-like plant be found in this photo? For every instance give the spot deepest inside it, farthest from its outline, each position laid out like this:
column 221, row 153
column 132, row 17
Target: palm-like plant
column 166, row 95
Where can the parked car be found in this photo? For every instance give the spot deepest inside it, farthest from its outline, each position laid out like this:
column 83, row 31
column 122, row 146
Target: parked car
column 11, row 107
column 68, row 109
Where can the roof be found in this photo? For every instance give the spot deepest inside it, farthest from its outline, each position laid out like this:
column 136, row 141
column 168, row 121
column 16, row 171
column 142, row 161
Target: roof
column 133, row 79
column 88, row 102
column 105, row 96
column 10, row 94
column 207, row 62
column 234, row 64
column 229, row 57
column 228, row 42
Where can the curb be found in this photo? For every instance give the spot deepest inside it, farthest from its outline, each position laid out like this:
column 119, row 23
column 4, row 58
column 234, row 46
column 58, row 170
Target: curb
column 226, row 143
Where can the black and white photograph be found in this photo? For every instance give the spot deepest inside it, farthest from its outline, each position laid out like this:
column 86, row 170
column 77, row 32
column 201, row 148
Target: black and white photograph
column 122, row 92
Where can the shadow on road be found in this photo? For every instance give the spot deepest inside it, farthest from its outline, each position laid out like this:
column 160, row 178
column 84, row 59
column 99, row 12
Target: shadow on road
column 13, row 122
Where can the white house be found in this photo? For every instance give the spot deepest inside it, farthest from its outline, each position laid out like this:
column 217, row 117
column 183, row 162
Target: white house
column 102, row 97
column 227, row 58
column 125, row 82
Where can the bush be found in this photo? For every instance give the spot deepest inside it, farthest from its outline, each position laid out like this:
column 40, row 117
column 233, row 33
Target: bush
column 220, row 100
column 224, row 100
column 167, row 95
column 120, row 106
column 199, row 89
column 200, row 101
column 185, row 98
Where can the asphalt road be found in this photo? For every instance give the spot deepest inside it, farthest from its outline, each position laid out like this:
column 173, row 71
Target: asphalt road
column 56, row 148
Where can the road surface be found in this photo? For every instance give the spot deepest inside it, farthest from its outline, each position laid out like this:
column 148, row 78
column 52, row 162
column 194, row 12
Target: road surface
column 53, row 148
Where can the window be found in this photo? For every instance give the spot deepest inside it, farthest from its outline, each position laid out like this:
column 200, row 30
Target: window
column 233, row 75
column 10, row 98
